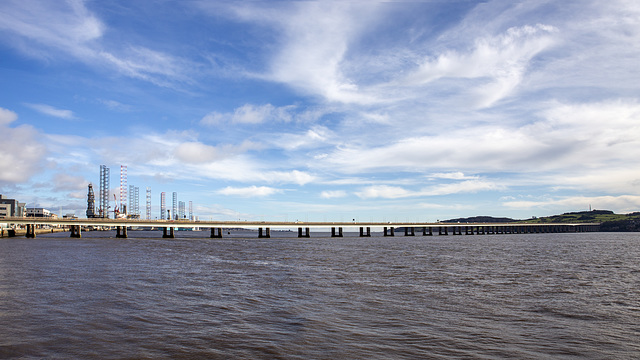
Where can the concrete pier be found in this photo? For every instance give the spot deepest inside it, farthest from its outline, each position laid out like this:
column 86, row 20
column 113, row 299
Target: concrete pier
column 216, row 232
column 168, row 233
column 121, row 232
column 391, row 231
column 409, row 231
column 363, row 234
column 31, row 231
column 75, row 231
column 267, row 233
column 305, row 234
column 333, row 232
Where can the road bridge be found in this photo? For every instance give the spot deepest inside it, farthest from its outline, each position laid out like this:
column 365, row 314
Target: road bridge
column 304, row 228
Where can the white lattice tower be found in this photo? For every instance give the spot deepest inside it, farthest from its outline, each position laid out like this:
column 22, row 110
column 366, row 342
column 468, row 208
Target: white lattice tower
column 104, row 191
column 174, row 207
column 123, row 187
column 163, row 205
column 148, row 204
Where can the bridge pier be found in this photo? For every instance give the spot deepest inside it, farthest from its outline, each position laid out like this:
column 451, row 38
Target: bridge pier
column 168, row 234
column 31, row 231
column 214, row 234
column 391, row 231
column 333, row 232
column 424, row 231
column 121, row 232
column 305, row 234
column 409, row 231
column 362, row 234
column 267, row 233
column 76, row 231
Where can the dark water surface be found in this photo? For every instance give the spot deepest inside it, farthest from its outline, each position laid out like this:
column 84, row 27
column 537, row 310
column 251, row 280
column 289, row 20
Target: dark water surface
column 527, row 296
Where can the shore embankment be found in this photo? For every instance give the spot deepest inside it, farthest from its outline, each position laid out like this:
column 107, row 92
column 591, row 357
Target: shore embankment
column 6, row 232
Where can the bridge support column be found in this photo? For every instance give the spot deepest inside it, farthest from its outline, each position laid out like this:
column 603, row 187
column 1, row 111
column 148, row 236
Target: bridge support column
column 168, row 233
column 363, row 234
column 409, row 231
column 424, row 231
column 390, row 233
column 31, row 231
column 121, row 232
column 76, row 231
column 216, row 232
column 333, row 232
column 267, row 233
column 443, row 230
column 305, row 234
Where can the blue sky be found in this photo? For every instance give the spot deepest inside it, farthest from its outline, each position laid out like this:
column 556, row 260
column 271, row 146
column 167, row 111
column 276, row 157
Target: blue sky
column 325, row 111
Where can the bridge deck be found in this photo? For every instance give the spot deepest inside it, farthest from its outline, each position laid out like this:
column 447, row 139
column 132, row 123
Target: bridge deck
column 257, row 224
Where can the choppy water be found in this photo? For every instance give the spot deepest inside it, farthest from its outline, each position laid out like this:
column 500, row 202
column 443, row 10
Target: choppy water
column 527, row 296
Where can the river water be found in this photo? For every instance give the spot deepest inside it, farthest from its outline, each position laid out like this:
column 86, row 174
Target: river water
column 526, row 296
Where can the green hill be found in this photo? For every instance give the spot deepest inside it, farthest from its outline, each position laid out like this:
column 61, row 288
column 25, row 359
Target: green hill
column 608, row 220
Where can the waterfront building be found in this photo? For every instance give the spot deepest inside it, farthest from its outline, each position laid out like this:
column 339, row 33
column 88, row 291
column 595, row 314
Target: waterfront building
column 38, row 212
column 11, row 207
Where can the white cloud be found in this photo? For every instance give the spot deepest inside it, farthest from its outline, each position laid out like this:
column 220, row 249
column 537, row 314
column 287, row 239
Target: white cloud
column 594, row 136
column 293, row 176
column 70, row 25
column 452, row 176
column 314, row 41
column 196, row 153
column 115, row 105
column 332, row 194
column 21, row 154
column 251, row 191
column 52, row 111
column 502, row 60
column 7, row 117
column 383, row 191
column 468, row 186
column 395, row 192
column 250, row 114
column 315, row 136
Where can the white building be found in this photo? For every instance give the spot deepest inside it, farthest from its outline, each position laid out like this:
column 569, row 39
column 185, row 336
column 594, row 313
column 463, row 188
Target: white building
column 38, row 212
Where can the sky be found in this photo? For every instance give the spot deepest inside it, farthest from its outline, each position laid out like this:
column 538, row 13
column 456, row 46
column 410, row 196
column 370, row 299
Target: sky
column 324, row 111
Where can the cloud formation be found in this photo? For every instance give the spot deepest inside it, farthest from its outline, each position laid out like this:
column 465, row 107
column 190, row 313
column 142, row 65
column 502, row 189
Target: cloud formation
column 403, row 105
column 251, row 191
column 21, row 154
column 250, row 114
column 52, row 111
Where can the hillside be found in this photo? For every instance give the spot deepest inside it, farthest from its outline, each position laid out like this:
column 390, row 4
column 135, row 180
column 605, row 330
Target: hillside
column 480, row 219
column 608, row 219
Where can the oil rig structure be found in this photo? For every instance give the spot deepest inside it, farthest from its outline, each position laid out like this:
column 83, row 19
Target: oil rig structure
column 132, row 211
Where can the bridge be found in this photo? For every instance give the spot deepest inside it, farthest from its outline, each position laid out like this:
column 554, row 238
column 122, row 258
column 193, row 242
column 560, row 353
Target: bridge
column 304, row 228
